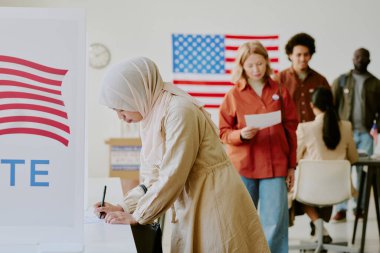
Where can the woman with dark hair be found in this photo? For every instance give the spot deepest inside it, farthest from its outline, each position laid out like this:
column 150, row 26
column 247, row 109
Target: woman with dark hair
column 325, row 138
column 322, row 100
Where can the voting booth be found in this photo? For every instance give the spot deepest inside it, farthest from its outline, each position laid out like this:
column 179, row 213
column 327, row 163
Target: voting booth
column 42, row 129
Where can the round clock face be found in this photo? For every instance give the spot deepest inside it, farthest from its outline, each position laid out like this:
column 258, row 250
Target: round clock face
column 100, row 55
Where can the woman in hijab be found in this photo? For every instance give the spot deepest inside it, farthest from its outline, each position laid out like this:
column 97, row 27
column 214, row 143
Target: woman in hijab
column 183, row 166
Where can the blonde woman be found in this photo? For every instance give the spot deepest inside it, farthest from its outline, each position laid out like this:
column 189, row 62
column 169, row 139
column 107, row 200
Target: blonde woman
column 265, row 158
column 185, row 165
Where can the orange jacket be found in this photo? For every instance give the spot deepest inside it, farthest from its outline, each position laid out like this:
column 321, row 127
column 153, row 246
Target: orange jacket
column 269, row 154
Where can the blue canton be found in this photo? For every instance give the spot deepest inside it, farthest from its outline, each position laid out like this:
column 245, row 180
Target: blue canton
column 201, row 54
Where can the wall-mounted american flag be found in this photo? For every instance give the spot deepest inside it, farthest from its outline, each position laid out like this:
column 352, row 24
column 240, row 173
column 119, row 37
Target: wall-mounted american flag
column 202, row 63
column 31, row 100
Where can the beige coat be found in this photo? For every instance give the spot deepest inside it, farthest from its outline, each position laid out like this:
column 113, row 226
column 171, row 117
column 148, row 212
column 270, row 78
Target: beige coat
column 312, row 147
column 214, row 212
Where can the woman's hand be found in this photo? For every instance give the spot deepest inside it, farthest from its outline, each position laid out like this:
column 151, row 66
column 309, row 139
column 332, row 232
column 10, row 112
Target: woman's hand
column 120, row 218
column 290, row 179
column 106, row 208
column 248, row 133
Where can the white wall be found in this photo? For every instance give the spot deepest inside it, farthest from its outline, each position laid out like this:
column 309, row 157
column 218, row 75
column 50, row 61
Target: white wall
column 144, row 27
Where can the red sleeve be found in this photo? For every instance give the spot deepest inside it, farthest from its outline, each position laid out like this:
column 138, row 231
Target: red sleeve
column 229, row 134
column 290, row 123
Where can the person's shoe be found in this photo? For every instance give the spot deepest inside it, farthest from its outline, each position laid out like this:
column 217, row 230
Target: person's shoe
column 339, row 216
column 312, row 226
column 327, row 239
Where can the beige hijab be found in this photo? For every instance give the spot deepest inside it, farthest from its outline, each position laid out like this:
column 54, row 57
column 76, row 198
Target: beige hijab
column 136, row 85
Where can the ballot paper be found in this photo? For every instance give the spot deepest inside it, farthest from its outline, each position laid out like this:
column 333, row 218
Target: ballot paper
column 263, row 120
column 90, row 217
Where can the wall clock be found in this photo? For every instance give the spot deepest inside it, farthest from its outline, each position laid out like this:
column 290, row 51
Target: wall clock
column 99, row 55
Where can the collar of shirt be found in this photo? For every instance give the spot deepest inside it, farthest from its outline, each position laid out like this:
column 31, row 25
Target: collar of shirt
column 243, row 84
column 309, row 72
column 319, row 117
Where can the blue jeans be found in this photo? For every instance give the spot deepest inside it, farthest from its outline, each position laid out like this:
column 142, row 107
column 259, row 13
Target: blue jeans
column 273, row 209
column 364, row 142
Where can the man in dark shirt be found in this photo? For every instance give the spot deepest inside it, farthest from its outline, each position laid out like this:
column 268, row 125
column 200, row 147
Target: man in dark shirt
column 300, row 79
column 357, row 95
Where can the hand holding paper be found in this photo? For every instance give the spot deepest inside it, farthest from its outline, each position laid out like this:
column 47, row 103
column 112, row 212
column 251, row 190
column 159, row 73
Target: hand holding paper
column 248, row 133
column 263, row 120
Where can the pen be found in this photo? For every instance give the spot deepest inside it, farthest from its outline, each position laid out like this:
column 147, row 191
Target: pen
column 102, row 203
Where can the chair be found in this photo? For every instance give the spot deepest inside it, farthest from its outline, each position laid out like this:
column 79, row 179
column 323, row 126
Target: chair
column 322, row 183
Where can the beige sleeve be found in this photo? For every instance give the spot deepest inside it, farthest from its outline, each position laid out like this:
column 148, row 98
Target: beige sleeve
column 131, row 199
column 181, row 147
column 148, row 174
column 301, row 145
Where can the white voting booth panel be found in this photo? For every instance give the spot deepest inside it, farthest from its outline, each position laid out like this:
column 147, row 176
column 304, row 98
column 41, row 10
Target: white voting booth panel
column 42, row 129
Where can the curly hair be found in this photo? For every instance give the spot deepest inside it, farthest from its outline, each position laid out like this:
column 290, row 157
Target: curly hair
column 244, row 51
column 300, row 39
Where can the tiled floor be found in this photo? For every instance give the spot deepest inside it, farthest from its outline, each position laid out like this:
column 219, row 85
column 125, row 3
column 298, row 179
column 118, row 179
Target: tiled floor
column 341, row 232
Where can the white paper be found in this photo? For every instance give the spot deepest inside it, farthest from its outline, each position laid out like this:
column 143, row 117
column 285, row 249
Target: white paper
column 90, row 217
column 263, row 120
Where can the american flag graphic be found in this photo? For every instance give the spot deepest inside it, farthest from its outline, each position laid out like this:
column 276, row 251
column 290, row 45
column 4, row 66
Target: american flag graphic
column 31, row 100
column 202, row 64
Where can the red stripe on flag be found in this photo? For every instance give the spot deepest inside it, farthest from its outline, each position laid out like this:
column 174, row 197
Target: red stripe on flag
column 34, row 108
column 198, row 94
column 228, row 71
column 212, row 106
column 30, row 96
column 34, row 65
column 34, row 131
column 245, row 37
column 272, row 48
column 29, row 76
column 234, row 48
column 28, row 86
column 179, row 82
column 34, row 119
column 233, row 59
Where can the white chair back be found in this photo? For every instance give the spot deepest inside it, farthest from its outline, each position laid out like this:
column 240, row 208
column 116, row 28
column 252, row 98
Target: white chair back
column 323, row 182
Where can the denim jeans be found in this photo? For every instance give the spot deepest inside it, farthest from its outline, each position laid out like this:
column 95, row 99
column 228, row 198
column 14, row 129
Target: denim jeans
column 364, row 142
column 271, row 195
